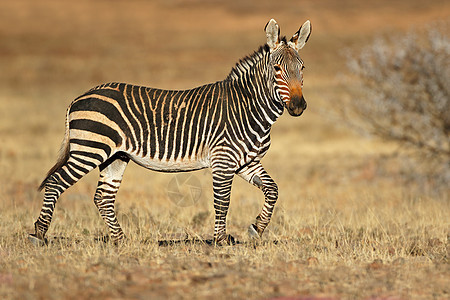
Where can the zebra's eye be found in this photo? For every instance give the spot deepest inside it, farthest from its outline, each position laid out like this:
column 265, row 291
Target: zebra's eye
column 303, row 67
column 277, row 68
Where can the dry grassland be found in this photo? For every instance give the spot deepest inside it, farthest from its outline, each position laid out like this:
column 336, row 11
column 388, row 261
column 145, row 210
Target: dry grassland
column 347, row 224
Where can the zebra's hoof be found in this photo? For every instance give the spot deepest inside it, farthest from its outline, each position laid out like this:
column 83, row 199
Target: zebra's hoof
column 37, row 241
column 252, row 233
column 231, row 240
column 228, row 240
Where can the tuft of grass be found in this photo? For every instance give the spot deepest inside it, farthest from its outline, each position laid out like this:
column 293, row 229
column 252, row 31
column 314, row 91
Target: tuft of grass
column 353, row 245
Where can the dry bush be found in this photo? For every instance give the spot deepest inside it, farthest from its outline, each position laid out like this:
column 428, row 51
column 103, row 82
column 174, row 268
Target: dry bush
column 399, row 90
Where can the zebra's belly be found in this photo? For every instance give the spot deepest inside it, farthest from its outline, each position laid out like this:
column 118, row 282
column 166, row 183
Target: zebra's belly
column 164, row 165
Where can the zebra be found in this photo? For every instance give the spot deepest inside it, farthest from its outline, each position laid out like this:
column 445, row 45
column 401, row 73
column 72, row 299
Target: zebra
column 224, row 126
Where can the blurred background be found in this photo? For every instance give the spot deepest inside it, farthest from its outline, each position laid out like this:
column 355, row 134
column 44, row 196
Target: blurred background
column 52, row 51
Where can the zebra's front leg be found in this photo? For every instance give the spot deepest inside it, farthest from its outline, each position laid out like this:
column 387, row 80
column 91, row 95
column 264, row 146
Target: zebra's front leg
column 256, row 175
column 111, row 173
column 222, row 181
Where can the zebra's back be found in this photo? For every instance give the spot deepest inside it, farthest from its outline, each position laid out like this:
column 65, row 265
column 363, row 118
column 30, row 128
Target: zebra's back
column 164, row 130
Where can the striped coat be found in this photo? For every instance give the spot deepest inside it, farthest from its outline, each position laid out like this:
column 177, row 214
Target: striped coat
column 224, row 126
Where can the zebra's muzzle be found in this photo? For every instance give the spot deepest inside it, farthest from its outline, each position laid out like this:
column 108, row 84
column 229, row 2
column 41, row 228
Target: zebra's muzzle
column 296, row 105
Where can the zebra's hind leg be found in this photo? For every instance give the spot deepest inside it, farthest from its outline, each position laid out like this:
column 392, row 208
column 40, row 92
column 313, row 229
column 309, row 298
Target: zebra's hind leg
column 111, row 173
column 256, row 175
column 64, row 176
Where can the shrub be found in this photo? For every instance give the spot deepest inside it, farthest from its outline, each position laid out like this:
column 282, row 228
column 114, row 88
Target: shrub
column 400, row 90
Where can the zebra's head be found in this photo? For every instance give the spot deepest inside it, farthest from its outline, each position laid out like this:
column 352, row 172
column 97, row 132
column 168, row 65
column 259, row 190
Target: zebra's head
column 285, row 67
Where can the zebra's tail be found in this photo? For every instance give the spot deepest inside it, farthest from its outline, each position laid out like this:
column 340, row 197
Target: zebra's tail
column 63, row 155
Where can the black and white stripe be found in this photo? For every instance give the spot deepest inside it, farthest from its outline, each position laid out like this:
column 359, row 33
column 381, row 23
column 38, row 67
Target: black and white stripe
column 224, row 126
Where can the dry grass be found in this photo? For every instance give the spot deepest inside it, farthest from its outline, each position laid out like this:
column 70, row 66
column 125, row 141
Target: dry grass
column 346, row 225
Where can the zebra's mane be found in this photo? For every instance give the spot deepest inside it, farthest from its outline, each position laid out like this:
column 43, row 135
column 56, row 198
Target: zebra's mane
column 246, row 62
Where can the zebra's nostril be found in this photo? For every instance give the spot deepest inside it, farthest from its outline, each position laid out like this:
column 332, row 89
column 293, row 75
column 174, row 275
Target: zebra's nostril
column 296, row 105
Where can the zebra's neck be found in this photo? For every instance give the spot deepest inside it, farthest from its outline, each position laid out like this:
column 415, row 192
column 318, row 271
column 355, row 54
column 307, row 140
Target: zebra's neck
column 246, row 63
column 249, row 78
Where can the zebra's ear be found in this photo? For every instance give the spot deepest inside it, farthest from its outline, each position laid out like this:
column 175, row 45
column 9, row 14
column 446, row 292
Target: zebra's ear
column 300, row 38
column 273, row 33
